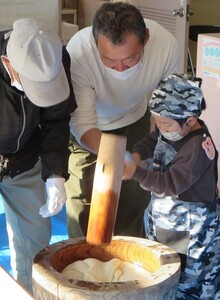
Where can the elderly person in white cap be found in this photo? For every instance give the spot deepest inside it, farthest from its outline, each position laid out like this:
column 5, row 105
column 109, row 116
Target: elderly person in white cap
column 36, row 98
column 181, row 173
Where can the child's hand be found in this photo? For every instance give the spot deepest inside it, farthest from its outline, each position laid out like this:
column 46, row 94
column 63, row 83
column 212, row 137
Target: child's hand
column 130, row 166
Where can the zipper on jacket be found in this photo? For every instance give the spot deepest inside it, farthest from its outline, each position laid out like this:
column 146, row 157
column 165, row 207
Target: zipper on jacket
column 24, row 123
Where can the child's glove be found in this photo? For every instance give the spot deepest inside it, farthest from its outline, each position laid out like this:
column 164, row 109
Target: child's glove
column 56, row 197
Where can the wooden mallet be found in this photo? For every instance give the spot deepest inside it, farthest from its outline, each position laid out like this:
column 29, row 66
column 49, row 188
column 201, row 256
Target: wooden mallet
column 106, row 189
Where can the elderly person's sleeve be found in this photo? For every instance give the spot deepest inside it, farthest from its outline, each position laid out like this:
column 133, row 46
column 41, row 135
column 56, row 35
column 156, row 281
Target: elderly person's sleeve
column 55, row 132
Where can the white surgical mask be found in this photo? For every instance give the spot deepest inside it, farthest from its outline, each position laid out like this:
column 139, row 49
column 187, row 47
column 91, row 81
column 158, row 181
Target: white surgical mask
column 125, row 74
column 175, row 135
column 172, row 136
column 17, row 84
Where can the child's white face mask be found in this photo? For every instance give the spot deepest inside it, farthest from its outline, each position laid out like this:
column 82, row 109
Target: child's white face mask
column 172, row 136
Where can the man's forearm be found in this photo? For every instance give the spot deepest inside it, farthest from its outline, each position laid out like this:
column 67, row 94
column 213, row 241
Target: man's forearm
column 91, row 140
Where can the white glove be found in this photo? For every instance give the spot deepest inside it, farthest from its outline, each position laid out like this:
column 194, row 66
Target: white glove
column 56, row 197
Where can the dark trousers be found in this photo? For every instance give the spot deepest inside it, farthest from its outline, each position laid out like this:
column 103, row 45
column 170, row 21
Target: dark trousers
column 133, row 199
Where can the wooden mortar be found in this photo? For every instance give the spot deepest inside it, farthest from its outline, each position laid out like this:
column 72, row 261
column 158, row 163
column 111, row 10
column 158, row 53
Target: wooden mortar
column 161, row 261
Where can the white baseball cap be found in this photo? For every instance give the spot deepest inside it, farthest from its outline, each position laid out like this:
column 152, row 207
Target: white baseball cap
column 35, row 53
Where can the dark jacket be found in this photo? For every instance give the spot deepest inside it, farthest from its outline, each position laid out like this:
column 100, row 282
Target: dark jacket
column 28, row 132
column 188, row 173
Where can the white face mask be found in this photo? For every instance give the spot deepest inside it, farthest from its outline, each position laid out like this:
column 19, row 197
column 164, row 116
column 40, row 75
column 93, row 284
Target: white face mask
column 172, row 136
column 17, row 84
column 125, row 74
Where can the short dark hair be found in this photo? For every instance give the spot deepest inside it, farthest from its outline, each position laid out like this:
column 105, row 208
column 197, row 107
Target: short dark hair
column 115, row 20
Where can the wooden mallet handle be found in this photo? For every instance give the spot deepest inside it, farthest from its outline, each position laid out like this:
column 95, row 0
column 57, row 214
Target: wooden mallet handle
column 106, row 189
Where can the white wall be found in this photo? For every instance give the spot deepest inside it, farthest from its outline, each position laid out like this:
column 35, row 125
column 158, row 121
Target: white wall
column 206, row 12
column 47, row 11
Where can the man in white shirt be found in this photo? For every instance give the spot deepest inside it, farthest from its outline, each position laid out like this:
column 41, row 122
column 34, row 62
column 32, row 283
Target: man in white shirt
column 115, row 64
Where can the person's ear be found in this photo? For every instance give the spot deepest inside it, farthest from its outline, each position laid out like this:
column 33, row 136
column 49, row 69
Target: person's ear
column 191, row 121
column 6, row 62
column 13, row 74
column 146, row 36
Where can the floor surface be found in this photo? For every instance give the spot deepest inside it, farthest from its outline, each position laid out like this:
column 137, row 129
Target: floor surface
column 59, row 233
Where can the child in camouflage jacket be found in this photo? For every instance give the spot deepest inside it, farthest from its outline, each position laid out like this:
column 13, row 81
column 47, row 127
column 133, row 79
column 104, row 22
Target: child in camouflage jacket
column 178, row 163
